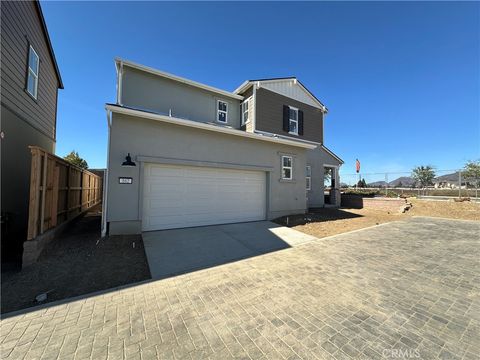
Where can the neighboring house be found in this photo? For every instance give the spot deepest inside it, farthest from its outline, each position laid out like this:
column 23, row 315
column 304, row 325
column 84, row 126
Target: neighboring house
column 449, row 181
column 30, row 80
column 207, row 156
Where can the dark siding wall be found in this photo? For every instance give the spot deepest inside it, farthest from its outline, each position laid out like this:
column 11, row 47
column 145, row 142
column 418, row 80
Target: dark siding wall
column 21, row 25
column 269, row 115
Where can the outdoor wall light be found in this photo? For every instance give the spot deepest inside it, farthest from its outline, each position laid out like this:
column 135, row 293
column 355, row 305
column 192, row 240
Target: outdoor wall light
column 128, row 161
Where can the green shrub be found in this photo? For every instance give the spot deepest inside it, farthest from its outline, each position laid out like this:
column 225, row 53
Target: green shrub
column 361, row 192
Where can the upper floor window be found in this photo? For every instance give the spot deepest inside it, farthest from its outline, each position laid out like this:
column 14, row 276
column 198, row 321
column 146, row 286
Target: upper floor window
column 308, row 177
column 287, row 167
column 32, row 75
column 293, row 120
column 245, row 106
column 222, row 111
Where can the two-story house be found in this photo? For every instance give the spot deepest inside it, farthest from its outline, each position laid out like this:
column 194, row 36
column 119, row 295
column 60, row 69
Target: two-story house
column 184, row 154
column 30, row 80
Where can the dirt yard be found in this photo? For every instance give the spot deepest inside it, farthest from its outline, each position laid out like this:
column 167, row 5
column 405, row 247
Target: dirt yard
column 327, row 222
column 78, row 262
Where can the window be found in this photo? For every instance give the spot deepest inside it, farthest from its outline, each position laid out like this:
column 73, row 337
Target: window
column 245, row 106
column 293, row 121
column 32, row 75
column 287, row 167
column 308, row 177
column 222, row 110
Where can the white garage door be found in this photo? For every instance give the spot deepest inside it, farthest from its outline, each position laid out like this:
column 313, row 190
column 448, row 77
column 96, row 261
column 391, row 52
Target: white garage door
column 185, row 196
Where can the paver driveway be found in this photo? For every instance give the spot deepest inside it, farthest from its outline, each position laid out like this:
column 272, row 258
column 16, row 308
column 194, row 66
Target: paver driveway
column 407, row 288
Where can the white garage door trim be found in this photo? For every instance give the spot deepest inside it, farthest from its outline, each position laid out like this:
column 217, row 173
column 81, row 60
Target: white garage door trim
column 177, row 196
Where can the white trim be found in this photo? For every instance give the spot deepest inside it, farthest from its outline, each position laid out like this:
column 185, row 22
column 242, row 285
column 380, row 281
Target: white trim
column 332, row 154
column 309, row 177
column 286, row 137
column 246, row 84
column 222, row 111
column 105, row 179
column 32, row 73
column 119, row 67
column 205, row 126
column 287, row 167
column 323, row 107
column 254, row 116
column 178, row 78
column 242, row 110
column 292, row 120
column 240, row 88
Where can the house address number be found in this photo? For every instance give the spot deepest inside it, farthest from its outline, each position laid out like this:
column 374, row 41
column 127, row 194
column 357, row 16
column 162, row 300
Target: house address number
column 125, row 180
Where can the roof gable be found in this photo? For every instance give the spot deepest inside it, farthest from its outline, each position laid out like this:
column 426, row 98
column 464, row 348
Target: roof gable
column 290, row 87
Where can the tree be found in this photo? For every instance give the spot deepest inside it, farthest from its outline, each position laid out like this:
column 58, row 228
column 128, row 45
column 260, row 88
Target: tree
column 362, row 183
column 472, row 173
column 399, row 185
column 75, row 159
column 327, row 176
column 423, row 175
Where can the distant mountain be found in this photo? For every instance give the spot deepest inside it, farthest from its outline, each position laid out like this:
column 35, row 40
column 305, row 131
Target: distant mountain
column 377, row 184
column 403, row 181
column 447, row 177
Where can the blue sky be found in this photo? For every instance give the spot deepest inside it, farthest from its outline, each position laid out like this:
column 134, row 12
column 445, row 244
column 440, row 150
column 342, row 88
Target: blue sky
column 401, row 80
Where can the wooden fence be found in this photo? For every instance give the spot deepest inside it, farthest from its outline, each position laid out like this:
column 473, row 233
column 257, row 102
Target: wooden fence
column 59, row 191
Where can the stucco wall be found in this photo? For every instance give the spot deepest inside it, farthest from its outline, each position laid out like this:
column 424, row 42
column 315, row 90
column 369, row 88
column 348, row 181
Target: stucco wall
column 148, row 91
column 150, row 138
column 15, row 171
column 317, row 159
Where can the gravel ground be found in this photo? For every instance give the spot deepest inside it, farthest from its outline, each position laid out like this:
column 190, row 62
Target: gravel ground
column 77, row 263
column 328, row 221
column 466, row 210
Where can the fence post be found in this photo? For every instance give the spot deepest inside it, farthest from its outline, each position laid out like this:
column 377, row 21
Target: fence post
column 44, row 191
column 386, row 184
column 34, row 194
column 459, row 184
column 56, row 178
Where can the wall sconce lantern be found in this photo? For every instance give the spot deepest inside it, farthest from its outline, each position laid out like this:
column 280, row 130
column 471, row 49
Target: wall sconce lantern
column 128, row 161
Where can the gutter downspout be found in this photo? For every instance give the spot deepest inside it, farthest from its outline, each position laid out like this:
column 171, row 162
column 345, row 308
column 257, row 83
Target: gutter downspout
column 119, row 82
column 105, row 179
column 254, row 117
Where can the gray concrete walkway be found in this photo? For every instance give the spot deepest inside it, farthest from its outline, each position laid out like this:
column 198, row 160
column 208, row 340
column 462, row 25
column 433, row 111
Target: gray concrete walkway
column 173, row 252
column 409, row 287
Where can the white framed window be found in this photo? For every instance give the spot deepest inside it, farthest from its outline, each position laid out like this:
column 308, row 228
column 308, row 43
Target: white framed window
column 308, row 177
column 222, row 111
column 287, row 167
column 32, row 74
column 245, row 107
column 293, row 120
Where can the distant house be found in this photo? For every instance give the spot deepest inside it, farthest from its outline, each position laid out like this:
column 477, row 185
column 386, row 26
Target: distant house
column 30, row 80
column 449, row 181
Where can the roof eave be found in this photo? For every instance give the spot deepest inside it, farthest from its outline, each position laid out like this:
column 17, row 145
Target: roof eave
column 49, row 43
column 203, row 126
column 177, row 78
column 246, row 84
column 333, row 154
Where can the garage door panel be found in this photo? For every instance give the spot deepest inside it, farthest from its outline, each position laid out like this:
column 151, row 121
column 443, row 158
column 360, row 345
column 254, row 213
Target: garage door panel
column 184, row 196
